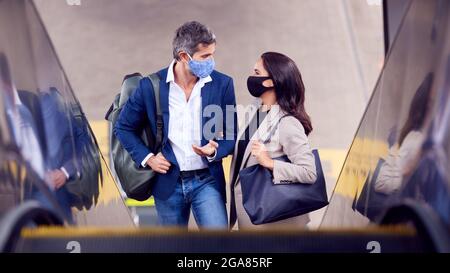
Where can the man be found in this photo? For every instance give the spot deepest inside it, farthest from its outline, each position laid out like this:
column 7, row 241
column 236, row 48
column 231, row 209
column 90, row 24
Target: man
column 189, row 166
column 41, row 130
column 21, row 122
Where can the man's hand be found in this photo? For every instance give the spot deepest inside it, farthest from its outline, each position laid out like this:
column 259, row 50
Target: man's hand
column 158, row 163
column 207, row 150
column 259, row 151
column 57, row 178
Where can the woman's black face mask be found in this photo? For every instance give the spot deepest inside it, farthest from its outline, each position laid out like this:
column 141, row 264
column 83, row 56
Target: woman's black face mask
column 255, row 85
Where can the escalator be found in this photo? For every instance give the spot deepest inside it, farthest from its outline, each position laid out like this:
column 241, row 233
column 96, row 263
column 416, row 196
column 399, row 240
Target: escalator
column 392, row 195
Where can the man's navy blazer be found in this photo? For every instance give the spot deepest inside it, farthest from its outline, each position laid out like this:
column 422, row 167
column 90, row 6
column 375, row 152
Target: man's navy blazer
column 141, row 108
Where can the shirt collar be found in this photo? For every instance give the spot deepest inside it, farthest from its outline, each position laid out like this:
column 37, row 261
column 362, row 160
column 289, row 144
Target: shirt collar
column 17, row 100
column 171, row 76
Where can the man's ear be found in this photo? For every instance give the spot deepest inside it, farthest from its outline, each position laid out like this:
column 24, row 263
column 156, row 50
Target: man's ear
column 183, row 57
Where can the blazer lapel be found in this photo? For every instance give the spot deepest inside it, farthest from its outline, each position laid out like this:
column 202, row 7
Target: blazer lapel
column 206, row 93
column 251, row 110
column 271, row 120
column 164, row 100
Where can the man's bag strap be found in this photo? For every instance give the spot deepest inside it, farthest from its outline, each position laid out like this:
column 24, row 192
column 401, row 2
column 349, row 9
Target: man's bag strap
column 154, row 79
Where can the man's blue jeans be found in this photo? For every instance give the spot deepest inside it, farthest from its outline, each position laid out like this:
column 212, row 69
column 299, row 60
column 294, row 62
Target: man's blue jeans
column 200, row 193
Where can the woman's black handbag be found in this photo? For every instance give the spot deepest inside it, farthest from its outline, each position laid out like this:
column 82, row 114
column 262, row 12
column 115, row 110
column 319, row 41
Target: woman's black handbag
column 372, row 203
column 267, row 202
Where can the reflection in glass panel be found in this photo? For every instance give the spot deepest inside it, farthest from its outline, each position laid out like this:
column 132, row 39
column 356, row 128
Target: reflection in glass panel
column 340, row 41
column 387, row 160
column 48, row 151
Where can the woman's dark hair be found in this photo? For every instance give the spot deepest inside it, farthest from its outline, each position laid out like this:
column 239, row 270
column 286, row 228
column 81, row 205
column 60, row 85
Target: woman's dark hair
column 288, row 85
column 418, row 109
column 5, row 72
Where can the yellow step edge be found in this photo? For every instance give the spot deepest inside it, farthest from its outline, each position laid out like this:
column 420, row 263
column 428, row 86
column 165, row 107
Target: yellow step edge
column 108, row 232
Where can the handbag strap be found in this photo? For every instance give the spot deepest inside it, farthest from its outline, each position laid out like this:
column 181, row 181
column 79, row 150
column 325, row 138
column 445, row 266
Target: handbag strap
column 269, row 136
column 154, row 79
column 273, row 129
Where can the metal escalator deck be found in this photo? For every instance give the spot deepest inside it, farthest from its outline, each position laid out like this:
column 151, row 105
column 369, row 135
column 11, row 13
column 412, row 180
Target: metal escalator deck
column 90, row 240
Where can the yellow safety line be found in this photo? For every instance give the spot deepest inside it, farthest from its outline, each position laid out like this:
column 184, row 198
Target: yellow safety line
column 55, row 232
column 134, row 203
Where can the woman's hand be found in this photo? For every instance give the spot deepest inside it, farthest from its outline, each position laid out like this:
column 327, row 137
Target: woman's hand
column 259, row 151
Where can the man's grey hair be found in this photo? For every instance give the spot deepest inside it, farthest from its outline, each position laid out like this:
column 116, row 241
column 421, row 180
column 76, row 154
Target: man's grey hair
column 189, row 36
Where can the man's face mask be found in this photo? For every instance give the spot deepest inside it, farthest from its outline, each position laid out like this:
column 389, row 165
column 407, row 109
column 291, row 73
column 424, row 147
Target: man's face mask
column 201, row 69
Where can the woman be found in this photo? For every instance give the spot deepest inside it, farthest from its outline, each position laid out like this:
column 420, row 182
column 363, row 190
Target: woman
column 279, row 119
column 402, row 158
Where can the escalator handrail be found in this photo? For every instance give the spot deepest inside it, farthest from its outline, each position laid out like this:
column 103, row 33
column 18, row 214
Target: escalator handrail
column 428, row 225
column 15, row 220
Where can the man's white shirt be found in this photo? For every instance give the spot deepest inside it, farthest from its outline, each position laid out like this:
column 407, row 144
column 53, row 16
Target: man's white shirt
column 185, row 123
column 25, row 136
